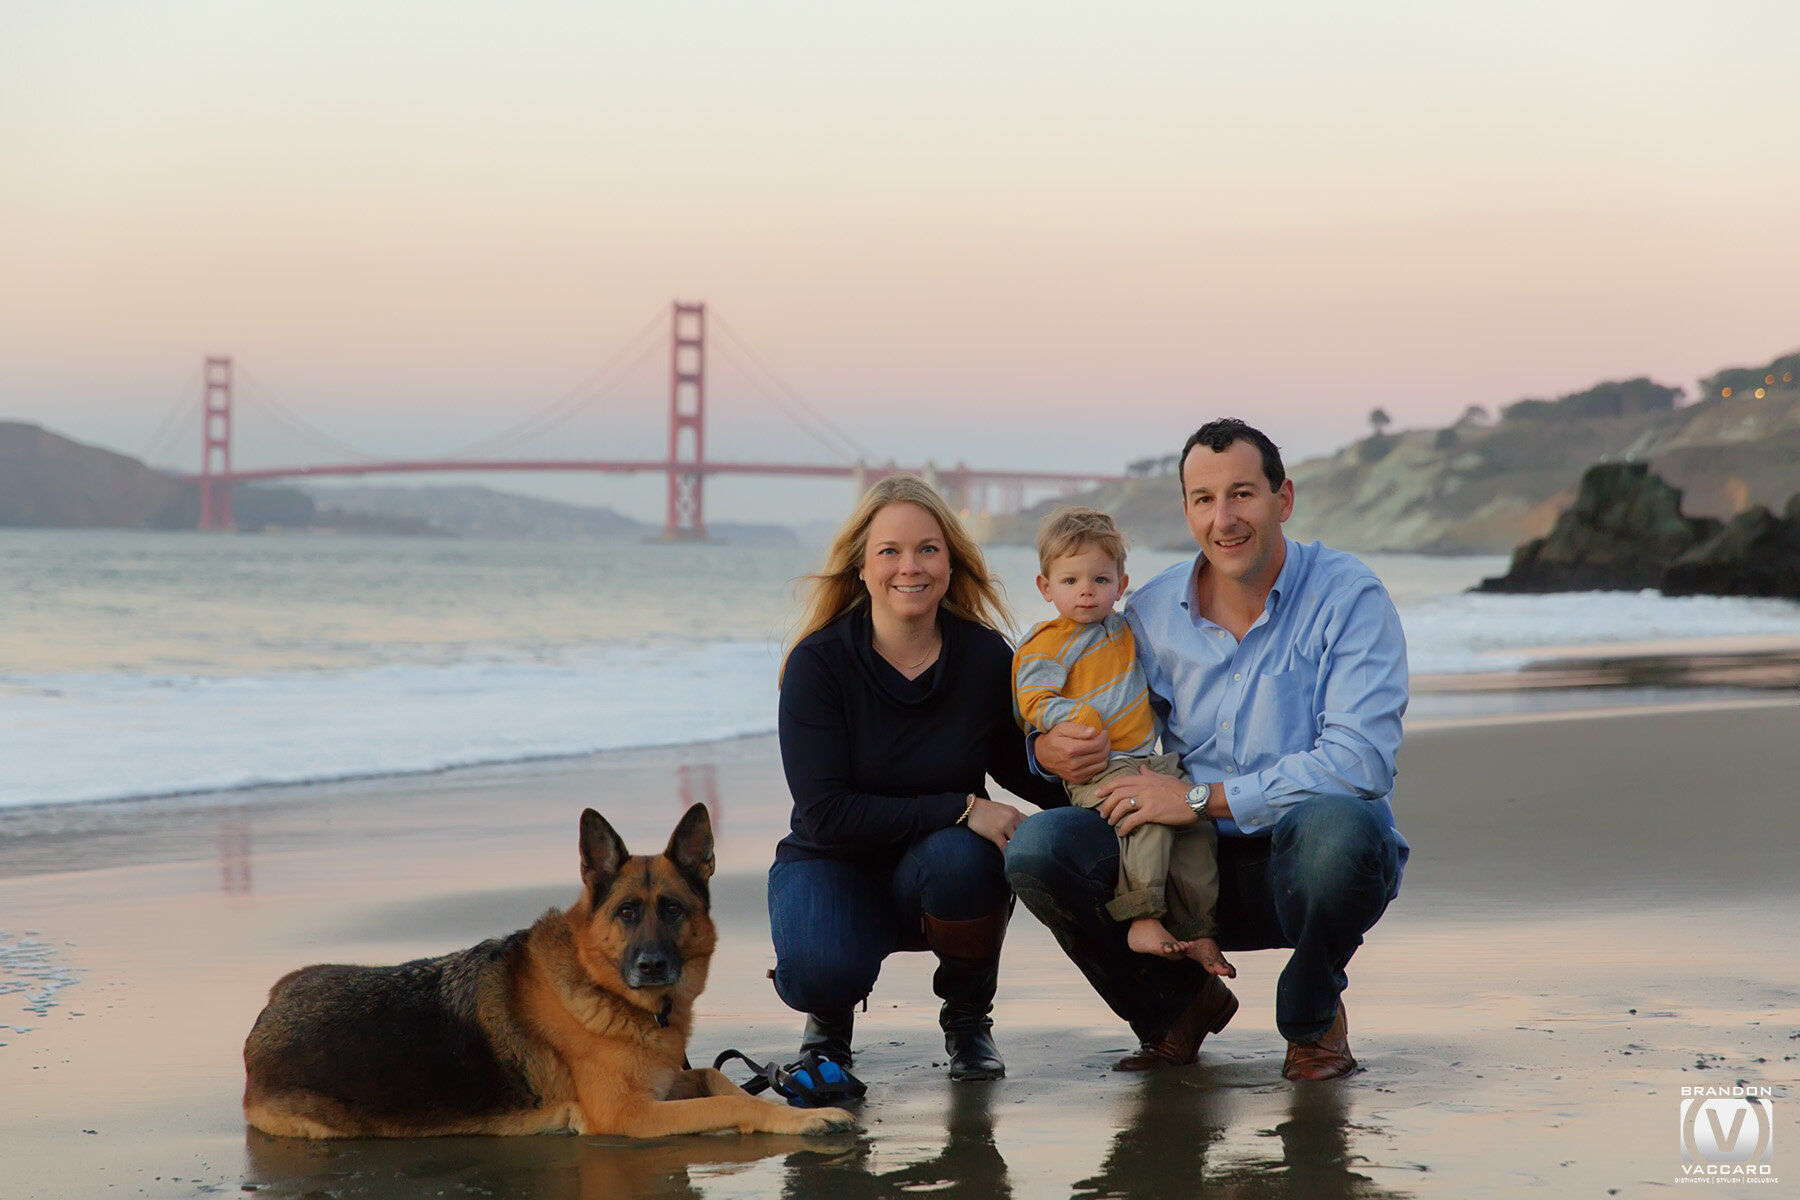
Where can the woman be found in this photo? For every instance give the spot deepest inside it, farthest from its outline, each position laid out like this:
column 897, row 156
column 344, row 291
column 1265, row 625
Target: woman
column 896, row 704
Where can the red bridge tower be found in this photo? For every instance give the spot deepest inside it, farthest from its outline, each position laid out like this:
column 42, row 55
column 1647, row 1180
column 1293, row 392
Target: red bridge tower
column 215, row 446
column 687, row 415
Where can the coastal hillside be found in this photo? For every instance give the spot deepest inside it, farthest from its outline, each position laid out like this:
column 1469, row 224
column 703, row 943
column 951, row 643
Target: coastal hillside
column 1491, row 481
column 48, row 480
column 465, row 510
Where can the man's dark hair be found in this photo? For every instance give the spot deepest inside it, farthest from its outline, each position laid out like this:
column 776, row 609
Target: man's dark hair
column 1219, row 434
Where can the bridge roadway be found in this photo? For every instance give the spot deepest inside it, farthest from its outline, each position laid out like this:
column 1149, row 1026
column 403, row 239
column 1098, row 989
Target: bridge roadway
column 957, row 475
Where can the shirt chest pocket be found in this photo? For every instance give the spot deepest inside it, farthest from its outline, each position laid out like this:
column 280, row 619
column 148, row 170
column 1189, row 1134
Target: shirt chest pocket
column 1282, row 707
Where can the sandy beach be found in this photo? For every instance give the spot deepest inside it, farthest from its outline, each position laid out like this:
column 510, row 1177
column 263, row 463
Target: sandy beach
column 1596, row 915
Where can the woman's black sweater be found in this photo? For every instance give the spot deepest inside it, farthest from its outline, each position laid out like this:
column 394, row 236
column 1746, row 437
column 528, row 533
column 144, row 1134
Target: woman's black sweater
column 876, row 761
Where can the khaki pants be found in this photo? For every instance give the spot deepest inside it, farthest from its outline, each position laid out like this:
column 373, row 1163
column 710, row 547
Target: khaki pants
column 1164, row 871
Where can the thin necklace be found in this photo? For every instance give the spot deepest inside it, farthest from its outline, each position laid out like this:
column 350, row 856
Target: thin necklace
column 914, row 666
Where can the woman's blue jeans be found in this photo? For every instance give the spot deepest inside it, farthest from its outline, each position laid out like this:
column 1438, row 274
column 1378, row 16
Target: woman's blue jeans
column 834, row 922
column 1318, row 883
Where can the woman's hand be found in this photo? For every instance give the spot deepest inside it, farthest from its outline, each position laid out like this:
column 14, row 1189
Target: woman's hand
column 994, row 821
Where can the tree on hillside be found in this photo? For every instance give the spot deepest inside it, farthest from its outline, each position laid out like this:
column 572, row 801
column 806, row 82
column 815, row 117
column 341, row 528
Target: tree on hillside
column 1743, row 381
column 1379, row 420
column 1475, row 414
column 1623, row 398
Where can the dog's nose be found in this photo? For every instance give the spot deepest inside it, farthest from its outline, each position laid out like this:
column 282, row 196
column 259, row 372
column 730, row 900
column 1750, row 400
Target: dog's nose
column 651, row 969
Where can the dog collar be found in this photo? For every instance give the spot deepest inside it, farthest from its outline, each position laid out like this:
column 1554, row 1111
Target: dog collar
column 662, row 1017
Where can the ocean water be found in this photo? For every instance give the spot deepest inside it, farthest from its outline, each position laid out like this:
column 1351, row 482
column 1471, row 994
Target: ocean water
column 137, row 664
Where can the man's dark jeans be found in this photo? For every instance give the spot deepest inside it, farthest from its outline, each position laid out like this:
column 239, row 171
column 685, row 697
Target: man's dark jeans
column 1316, row 884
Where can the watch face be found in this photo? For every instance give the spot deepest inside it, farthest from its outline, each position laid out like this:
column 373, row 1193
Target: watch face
column 1197, row 796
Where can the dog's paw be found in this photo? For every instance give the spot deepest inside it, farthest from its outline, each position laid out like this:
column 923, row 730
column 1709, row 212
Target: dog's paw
column 824, row 1120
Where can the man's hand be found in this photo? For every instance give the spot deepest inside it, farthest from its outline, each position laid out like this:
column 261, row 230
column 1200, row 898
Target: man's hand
column 1073, row 752
column 1144, row 799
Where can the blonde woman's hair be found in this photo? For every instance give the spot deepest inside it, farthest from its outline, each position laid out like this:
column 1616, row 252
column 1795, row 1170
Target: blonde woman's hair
column 974, row 594
column 1069, row 530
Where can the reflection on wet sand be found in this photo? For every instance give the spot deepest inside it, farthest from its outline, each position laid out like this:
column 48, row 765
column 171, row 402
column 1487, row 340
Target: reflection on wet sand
column 544, row 1168
column 234, row 850
column 1162, row 1148
column 967, row 1167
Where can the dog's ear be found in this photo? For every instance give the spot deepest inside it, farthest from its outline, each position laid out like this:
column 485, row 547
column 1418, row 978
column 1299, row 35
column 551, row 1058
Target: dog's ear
column 602, row 853
column 691, row 845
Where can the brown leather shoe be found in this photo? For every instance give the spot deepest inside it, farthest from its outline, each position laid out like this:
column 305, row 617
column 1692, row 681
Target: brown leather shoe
column 1327, row 1058
column 1209, row 1011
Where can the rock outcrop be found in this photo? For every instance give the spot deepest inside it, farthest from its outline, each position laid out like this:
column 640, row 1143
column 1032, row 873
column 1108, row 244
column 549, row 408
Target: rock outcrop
column 1757, row 554
column 1621, row 534
column 1626, row 531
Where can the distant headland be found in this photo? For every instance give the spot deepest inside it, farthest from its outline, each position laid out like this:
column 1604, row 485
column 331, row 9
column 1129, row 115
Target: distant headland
column 1489, row 482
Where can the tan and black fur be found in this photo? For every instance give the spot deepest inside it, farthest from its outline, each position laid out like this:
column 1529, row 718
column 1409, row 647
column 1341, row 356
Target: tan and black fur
column 579, row 1023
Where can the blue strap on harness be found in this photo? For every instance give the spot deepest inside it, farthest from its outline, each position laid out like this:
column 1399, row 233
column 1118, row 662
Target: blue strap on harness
column 812, row 1082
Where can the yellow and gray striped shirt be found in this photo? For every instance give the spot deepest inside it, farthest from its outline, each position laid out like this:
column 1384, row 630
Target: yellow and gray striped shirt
column 1067, row 671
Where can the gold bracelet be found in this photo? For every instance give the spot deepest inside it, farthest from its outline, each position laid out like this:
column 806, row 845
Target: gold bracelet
column 967, row 809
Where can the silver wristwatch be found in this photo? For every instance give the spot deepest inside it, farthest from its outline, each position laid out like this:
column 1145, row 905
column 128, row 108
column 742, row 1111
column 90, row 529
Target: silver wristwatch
column 1197, row 797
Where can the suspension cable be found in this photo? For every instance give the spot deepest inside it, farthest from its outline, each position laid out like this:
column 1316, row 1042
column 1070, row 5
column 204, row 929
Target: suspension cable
column 578, row 398
column 264, row 399
column 839, row 447
column 172, row 422
column 856, row 448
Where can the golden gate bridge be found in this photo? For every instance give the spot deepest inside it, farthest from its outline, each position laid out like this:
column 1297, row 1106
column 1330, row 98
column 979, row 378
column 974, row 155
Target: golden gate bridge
column 686, row 464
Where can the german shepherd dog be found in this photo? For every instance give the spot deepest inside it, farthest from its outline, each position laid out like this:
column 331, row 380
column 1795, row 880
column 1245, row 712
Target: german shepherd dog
column 579, row 1023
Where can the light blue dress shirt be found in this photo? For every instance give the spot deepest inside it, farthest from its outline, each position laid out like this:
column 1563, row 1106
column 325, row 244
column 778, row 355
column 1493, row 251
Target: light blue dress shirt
column 1308, row 704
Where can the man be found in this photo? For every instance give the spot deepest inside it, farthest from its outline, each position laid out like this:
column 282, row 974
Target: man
column 1278, row 673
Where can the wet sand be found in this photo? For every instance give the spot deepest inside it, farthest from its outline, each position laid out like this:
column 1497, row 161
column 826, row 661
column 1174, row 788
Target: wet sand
column 1597, row 914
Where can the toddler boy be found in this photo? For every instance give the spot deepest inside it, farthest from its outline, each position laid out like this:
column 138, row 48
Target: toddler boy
column 1083, row 667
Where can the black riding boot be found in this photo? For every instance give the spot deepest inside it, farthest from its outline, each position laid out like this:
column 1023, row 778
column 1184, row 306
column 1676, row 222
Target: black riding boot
column 828, row 1034
column 967, row 975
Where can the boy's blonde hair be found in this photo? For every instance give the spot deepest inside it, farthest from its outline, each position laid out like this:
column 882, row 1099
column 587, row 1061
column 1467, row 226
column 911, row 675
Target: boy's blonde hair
column 1067, row 530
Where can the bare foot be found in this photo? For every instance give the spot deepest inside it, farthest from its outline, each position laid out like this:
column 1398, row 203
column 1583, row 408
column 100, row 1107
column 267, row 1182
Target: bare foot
column 1205, row 951
column 1147, row 935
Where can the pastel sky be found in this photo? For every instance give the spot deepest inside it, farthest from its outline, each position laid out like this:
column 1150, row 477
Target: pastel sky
column 1017, row 234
